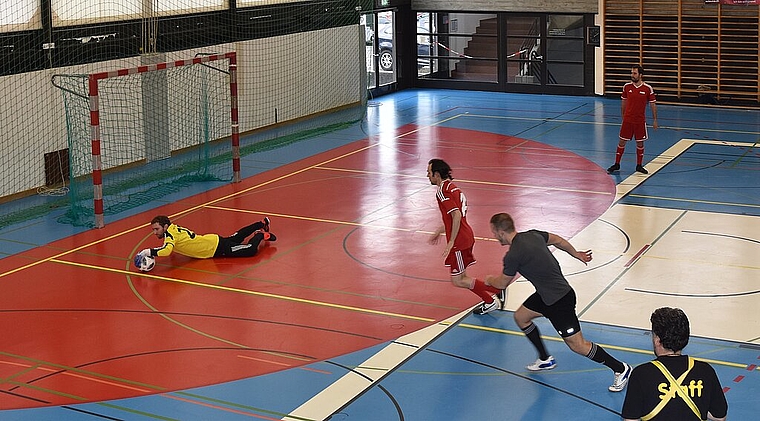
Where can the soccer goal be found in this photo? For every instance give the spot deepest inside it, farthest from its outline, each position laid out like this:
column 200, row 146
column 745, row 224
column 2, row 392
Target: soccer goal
column 139, row 134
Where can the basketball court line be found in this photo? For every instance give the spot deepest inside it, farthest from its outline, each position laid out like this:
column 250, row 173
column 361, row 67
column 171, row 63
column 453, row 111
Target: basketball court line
column 188, row 210
column 347, row 388
column 669, row 226
column 350, row 386
column 625, row 187
column 247, row 291
column 373, row 370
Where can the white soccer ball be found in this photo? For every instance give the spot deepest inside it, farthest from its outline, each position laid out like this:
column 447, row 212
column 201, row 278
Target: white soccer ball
column 146, row 263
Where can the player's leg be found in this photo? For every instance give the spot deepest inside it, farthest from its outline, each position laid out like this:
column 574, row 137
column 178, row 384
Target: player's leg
column 524, row 316
column 626, row 134
column 565, row 321
column 458, row 261
column 250, row 248
column 246, row 231
column 641, row 135
column 596, row 353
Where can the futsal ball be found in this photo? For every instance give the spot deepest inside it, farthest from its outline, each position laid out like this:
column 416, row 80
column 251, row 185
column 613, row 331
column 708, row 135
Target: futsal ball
column 145, row 263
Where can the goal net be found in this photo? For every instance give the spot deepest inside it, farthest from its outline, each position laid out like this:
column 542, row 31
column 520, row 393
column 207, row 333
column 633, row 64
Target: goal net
column 138, row 135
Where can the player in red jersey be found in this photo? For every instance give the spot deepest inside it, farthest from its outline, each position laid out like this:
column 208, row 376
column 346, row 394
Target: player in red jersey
column 635, row 97
column 459, row 237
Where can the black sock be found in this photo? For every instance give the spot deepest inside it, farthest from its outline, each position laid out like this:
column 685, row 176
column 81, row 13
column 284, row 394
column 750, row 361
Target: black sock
column 598, row 354
column 534, row 336
column 246, row 232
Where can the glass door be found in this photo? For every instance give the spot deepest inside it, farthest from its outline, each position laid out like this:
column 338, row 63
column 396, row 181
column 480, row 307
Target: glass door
column 380, row 35
column 547, row 54
column 525, row 53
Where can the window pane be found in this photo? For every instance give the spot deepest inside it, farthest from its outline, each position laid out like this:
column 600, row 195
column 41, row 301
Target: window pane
column 68, row 12
column 17, row 15
column 189, row 6
column 565, row 26
column 245, row 3
column 569, row 74
column 523, row 26
column 558, row 49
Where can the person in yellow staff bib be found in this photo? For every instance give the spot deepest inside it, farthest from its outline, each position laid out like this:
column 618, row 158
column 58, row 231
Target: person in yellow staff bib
column 673, row 386
column 204, row 246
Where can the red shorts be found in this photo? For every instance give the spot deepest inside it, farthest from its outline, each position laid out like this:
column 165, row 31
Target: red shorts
column 636, row 131
column 458, row 261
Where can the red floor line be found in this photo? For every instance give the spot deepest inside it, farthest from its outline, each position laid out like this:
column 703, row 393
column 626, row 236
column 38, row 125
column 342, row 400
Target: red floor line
column 634, row 258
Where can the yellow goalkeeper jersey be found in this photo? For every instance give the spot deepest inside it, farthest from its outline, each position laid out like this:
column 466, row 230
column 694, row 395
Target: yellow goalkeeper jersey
column 188, row 243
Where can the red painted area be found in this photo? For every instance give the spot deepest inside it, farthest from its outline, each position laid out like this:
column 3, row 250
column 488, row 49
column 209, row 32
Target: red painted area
column 351, row 268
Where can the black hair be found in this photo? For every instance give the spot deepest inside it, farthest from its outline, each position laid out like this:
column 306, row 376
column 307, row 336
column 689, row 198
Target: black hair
column 161, row 220
column 639, row 68
column 441, row 167
column 672, row 327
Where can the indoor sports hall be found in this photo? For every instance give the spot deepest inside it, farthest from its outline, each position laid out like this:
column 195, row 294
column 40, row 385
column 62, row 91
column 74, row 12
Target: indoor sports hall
column 349, row 314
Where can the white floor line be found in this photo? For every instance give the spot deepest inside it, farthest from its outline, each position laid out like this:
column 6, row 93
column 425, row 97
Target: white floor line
column 353, row 384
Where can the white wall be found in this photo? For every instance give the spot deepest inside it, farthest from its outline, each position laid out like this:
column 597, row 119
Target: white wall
column 299, row 74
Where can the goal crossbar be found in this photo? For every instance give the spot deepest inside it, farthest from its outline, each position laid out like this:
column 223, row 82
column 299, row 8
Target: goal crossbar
column 94, row 80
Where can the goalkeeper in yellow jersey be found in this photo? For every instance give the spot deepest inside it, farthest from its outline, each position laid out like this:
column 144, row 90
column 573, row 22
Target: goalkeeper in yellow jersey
column 204, row 246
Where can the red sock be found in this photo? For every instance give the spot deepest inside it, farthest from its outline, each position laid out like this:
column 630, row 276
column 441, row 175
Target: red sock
column 619, row 153
column 639, row 155
column 484, row 291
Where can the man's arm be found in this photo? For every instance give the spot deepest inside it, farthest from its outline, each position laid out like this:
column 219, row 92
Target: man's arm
column 564, row 245
column 500, row 281
column 164, row 250
column 622, row 107
column 456, row 222
column 653, row 106
column 436, row 235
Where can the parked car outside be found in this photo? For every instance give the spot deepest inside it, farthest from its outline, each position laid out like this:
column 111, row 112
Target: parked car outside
column 385, row 47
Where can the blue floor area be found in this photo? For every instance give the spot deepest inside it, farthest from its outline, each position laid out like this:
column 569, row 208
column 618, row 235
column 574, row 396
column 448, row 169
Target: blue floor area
column 486, row 370
column 707, row 177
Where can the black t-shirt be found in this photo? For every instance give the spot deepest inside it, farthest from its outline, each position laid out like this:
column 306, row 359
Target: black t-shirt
column 648, row 384
column 530, row 256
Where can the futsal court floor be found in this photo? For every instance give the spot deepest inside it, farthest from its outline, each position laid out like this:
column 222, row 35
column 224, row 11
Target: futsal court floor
column 350, row 315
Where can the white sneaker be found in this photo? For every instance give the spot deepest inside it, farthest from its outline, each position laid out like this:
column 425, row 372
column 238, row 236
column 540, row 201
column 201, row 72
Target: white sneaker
column 487, row 308
column 621, row 379
column 541, row 365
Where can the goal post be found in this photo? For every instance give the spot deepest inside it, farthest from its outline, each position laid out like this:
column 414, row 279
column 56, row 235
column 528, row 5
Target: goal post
column 152, row 129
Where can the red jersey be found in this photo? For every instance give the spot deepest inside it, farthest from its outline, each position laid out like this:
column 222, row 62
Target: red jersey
column 636, row 101
column 450, row 198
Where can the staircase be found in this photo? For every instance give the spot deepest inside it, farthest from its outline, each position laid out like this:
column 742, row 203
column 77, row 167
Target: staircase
column 484, row 43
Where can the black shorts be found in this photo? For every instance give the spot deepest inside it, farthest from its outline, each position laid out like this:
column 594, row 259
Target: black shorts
column 561, row 314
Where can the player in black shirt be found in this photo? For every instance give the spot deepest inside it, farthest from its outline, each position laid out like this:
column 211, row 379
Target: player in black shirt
column 554, row 297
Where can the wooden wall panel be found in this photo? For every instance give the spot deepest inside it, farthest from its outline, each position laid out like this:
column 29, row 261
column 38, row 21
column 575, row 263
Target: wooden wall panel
column 683, row 44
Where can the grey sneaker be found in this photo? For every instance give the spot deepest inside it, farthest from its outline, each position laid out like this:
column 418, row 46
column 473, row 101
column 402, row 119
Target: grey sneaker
column 621, row 379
